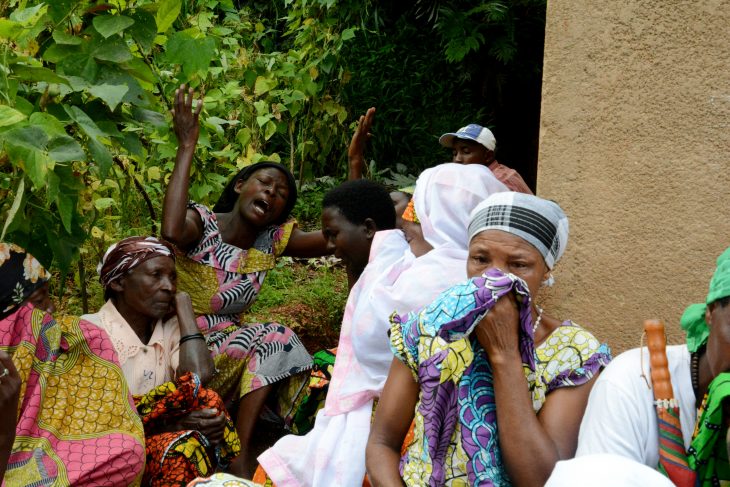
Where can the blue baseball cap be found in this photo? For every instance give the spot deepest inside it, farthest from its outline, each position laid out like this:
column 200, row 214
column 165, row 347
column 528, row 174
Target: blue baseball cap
column 477, row 133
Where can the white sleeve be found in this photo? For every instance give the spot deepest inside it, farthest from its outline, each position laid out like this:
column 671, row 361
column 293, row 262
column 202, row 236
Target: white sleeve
column 618, row 421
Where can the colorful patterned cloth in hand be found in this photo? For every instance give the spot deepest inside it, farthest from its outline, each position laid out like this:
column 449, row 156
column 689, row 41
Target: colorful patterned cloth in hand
column 76, row 421
column 175, row 458
column 455, row 430
column 707, row 454
column 222, row 480
column 223, row 281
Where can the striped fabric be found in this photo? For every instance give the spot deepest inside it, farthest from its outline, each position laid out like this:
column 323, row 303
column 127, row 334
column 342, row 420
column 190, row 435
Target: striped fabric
column 672, row 456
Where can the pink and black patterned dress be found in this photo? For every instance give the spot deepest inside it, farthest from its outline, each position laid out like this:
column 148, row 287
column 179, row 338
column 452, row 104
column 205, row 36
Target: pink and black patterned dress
column 223, row 282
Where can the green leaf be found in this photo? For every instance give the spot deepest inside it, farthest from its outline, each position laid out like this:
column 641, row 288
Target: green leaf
column 113, row 50
column 111, row 94
column 144, row 29
column 32, row 74
column 195, row 55
column 62, row 37
column 66, row 209
column 103, row 203
column 101, row 156
column 9, row 116
column 9, row 29
column 263, row 85
column 167, row 14
column 269, row 129
column 108, row 25
column 84, row 121
column 65, row 149
column 48, row 123
column 14, row 207
column 348, row 34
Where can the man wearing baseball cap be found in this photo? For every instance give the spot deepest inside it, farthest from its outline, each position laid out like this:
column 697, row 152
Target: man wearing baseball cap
column 475, row 144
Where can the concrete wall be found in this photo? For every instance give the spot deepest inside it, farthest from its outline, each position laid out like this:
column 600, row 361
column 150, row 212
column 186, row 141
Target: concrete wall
column 635, row 146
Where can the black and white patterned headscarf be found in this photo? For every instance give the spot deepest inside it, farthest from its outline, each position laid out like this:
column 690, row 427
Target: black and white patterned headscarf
column 127, row 254
column 20, row 275
column 540, row 222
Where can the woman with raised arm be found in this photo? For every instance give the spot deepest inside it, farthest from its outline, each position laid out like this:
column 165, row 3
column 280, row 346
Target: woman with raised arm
column 224, row 256
column 491, row 388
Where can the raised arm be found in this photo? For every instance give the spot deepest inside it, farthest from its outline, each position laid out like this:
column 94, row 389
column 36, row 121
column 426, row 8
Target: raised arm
column 180, row 226
column 194, row 354
column 356, row 151
column 393, row 418
column 531, row 444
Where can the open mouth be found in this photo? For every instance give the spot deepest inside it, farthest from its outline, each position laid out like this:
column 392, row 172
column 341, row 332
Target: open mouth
column 261, row 205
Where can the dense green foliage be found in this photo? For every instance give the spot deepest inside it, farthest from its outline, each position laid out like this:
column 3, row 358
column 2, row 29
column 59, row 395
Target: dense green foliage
column 86, row 86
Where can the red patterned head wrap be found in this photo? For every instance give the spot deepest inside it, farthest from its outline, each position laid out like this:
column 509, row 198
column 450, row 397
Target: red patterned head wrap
column 127, row 254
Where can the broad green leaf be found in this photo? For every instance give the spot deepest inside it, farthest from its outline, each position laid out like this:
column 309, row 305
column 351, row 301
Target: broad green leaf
column 103, row 203
column 84, row 121
column 48, row 123
column 262, row 120
column 33, row 74
column 65, row 149
column 194, row 55
column 167, row 13
column 9, row 29
column 244, row 136
column 66, row 208
column 14, row 207
column 111, row 94
column 27, row 137
column 101, row 156
column 114, row 50
column 263, row 85
column 9, row 116
column 269, row 129
column 108, row 25
column 348, row 34
column 62, row 37
column 144, row 29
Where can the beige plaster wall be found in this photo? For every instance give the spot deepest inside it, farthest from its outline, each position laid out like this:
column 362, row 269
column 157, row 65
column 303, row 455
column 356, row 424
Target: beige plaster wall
column 635, row 145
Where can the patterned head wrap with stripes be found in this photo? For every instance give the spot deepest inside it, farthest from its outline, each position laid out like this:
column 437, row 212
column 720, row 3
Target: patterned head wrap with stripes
column 540, row 222
column 127, row 254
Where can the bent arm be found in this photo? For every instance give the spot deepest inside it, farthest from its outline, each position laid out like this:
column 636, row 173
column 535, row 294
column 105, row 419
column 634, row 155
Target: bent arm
column 532, row 444
column 393, row 418
column 306, row 244
column 178, row 224
column 194, row 354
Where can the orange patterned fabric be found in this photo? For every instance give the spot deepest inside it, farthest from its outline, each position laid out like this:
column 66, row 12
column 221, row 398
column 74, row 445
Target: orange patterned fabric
column 176, row 458
column 410, row 213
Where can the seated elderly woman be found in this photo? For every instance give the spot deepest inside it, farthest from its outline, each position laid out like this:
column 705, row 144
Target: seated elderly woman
column 165, row 361
column 492, row 388
column 66, row 416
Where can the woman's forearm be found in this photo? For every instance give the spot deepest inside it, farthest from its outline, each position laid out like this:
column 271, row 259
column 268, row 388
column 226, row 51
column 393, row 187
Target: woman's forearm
column 382, row 464
column 194, row 354
column 174, row 207
column 528, row 451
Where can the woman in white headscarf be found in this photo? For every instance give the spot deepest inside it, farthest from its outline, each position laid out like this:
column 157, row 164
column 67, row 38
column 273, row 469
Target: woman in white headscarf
column 333, row 453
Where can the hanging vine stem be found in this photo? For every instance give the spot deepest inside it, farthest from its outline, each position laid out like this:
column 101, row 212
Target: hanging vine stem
column 143, row 192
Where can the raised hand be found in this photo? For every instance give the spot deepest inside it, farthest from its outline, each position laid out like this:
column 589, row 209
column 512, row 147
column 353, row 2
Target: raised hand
column 185, row 118
column 356, row 151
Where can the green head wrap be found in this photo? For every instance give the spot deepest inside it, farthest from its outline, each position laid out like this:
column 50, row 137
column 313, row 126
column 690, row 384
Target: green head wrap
column 693, row 320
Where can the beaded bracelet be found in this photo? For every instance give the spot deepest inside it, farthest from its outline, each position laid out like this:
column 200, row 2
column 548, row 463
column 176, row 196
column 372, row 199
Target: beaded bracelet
column 191, row 337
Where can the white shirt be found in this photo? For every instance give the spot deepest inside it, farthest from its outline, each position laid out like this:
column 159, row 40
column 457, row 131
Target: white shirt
column 145, row 366
column 621, row 419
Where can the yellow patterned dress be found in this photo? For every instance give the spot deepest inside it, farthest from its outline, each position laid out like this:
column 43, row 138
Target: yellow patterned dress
column 223, row 282
column 76, row 421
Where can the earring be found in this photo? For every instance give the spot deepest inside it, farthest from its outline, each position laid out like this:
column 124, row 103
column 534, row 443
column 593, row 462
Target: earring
column 549, row 281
